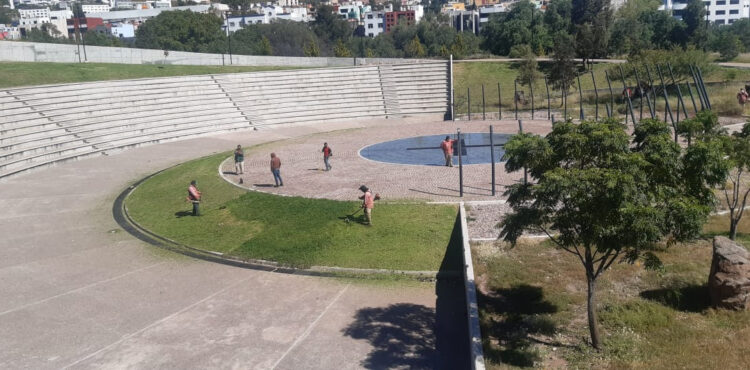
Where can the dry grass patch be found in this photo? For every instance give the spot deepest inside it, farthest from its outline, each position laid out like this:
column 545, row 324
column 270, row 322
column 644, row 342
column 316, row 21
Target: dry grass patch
column 532, row 307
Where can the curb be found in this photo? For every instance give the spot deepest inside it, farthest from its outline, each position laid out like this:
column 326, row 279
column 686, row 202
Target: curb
column 472, row 309
column 121, row 216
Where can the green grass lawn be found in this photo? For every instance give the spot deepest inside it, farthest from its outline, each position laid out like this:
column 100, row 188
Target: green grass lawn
column 26, row 74
column 533, row 312
column 295, row 231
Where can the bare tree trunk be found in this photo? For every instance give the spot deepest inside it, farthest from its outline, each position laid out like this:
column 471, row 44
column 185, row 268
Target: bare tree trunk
column 733, row 228
column 593, row 329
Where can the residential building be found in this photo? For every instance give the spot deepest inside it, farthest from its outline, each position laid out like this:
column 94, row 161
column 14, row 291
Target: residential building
column 33, row 13
column 122, row 30
column 286, row 3
column 717, row 11
column 418, row 11
column 138, row 16
column 453, row 6
column 8, row 32
column 393, row 18
column 374, row 23
column 94, row 8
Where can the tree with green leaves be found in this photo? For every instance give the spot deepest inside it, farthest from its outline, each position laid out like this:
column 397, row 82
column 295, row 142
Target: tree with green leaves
column 7, row 15
column 603, row 198
column 528, row 68
column 310, row 48
column 523, row 24
column 563, row 70
column 341, row 51
column 737, row 189
column 182, row 31
column 414, row 49
column 329, row 26
column 694, row 16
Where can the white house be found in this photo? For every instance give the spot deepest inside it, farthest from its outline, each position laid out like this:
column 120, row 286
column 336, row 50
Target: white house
column 717, row 11
column 94, row 8
column 374, row 23
column 33, row 13
column 122, row 30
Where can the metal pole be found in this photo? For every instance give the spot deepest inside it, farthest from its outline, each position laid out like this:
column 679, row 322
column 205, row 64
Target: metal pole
column 564, row 93
column 531, row 88
column 692, row 99
column 460, row 167
column 666, row 101
column 653, row 89
column 596, row 96
column 520, row 130
column 515, row 96
column 546, row 86
column 492, row 155
column 483, row 107
column 453, row 106
column 700, row 76
column 640, row 94
column 499, row 102
column 468, row 101
column 697, row 87
column 641, row 91
column 580, row 99
column 611, row 95
column 452, row 90
column 679, row 93
column 627, row 94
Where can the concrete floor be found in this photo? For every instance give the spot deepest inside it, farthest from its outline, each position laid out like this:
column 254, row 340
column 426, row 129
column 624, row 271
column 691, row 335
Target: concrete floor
column 78, row 292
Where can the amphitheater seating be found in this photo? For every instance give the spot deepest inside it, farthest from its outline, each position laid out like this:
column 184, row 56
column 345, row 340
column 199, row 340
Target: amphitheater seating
column 44, row 125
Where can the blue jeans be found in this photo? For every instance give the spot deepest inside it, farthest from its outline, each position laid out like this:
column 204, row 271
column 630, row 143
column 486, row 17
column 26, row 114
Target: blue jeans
column 277, row 177
column 328, row 165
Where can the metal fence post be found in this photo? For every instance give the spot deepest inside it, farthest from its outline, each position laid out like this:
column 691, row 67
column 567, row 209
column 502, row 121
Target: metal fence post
column 492, row 156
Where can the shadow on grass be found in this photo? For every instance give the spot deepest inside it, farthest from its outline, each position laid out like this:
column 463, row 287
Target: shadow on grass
column 691, row 298
column 180, row 214
column 513, row 315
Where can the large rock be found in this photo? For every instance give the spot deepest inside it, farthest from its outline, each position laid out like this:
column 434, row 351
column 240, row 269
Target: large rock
column 729, row 281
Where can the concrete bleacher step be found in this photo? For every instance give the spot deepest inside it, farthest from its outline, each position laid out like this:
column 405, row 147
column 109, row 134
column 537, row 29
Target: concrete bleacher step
column 68, row 138
column 43, row 125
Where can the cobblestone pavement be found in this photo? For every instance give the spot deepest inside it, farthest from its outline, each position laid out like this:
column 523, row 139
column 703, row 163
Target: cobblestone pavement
column 303, row 175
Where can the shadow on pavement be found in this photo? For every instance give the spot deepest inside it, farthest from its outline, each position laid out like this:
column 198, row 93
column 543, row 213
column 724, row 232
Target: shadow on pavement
column 414, row 336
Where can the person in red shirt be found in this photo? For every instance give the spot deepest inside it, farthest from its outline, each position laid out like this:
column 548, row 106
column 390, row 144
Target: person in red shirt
column 447, row 146
column 194, row 196
column 368, row 202
column 327, row 153
column 276, row 170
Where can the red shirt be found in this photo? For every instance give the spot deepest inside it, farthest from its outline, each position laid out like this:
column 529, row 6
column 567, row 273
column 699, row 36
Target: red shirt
column 447, row 146
column 193, row 193
column 326, row 151
column 275, row 163
column 369, row 202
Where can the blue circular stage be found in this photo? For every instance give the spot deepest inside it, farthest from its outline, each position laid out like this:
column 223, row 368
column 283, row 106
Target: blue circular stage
column 425, row 150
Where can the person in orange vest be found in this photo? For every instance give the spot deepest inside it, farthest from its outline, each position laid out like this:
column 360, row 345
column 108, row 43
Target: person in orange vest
column 194, row 196
column 447, row 146
column 327, row 153
column 368, row 202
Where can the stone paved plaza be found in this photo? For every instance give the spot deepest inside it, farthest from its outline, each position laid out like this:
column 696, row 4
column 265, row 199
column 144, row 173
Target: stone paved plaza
column 302, row 164
column 79, row 292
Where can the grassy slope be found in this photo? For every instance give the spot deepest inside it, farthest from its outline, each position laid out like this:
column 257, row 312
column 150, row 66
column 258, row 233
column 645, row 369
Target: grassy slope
column 648, row 319
column 292, row 230
column 26, row 74
column 473, row 75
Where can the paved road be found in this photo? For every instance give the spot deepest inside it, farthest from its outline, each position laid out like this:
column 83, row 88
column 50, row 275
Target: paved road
column 77, row 292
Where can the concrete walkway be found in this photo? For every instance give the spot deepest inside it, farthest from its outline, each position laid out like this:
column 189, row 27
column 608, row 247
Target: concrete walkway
column 78, row 292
